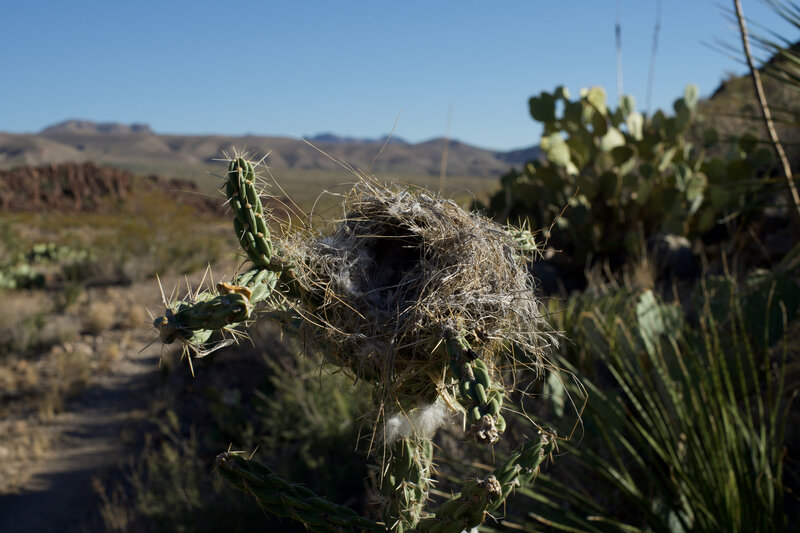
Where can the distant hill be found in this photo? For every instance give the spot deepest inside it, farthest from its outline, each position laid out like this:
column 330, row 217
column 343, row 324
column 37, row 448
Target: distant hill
column 88, row 127
column 137, row 148
column 338, row 139
column 733, row 109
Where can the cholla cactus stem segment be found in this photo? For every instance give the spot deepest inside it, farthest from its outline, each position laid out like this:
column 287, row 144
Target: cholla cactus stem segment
column 229, row 306
column 212, row 313
column 193, row 322
column 480, row 396
column 406, row 482
column 480, row 497
column 248, row 222
column 290, row 500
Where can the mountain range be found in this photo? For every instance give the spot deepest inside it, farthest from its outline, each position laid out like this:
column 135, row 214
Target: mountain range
column 137, row 148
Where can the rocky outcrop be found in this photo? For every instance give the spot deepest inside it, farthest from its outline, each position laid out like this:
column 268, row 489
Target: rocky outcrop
column 87, row 187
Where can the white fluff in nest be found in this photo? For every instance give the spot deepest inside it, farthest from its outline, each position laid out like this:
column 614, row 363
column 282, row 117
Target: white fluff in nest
column 421, row 422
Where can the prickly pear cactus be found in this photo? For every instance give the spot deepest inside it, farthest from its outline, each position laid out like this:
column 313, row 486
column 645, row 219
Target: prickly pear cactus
column 409, row 293
column 26, row 270
column 616, row 175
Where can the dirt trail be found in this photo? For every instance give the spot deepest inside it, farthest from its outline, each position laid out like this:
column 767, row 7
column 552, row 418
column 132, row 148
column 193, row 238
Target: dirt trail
column 89, row 441
column 51, row 477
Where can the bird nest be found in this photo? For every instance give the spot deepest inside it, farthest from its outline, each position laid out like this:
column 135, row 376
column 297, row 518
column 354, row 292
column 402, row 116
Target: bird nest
column 402, row 272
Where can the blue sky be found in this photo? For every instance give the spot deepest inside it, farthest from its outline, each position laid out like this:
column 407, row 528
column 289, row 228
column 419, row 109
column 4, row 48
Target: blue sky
column 306, row 67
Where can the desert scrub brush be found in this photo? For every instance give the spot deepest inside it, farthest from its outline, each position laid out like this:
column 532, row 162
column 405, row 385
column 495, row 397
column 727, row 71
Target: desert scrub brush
column 283, row 499
column 432, row 305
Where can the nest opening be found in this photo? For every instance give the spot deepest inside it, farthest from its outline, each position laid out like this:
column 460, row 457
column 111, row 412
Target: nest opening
column 394, row 253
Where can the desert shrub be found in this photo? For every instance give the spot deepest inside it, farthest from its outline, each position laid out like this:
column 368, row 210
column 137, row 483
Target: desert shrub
column 11, row 243
column 99, row 316
column 263, row 400
column 170, row 489
column 311, row 425
column 29, row 323
column 146, row 235
column 21, row 318
column 56, row 330
column 153, row 237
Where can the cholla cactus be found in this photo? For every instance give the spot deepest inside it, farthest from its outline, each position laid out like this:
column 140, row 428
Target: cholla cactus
column 407, row 292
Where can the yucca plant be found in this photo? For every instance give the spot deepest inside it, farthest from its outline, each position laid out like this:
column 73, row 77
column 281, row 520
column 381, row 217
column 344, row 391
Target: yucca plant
column 684, row 424
column 409, row 293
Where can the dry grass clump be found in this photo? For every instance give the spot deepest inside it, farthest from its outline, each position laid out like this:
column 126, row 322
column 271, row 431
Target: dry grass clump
column 404, row 271
column 99, row 316
column 21, row 444
column 58, row 329
column 21, row 318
